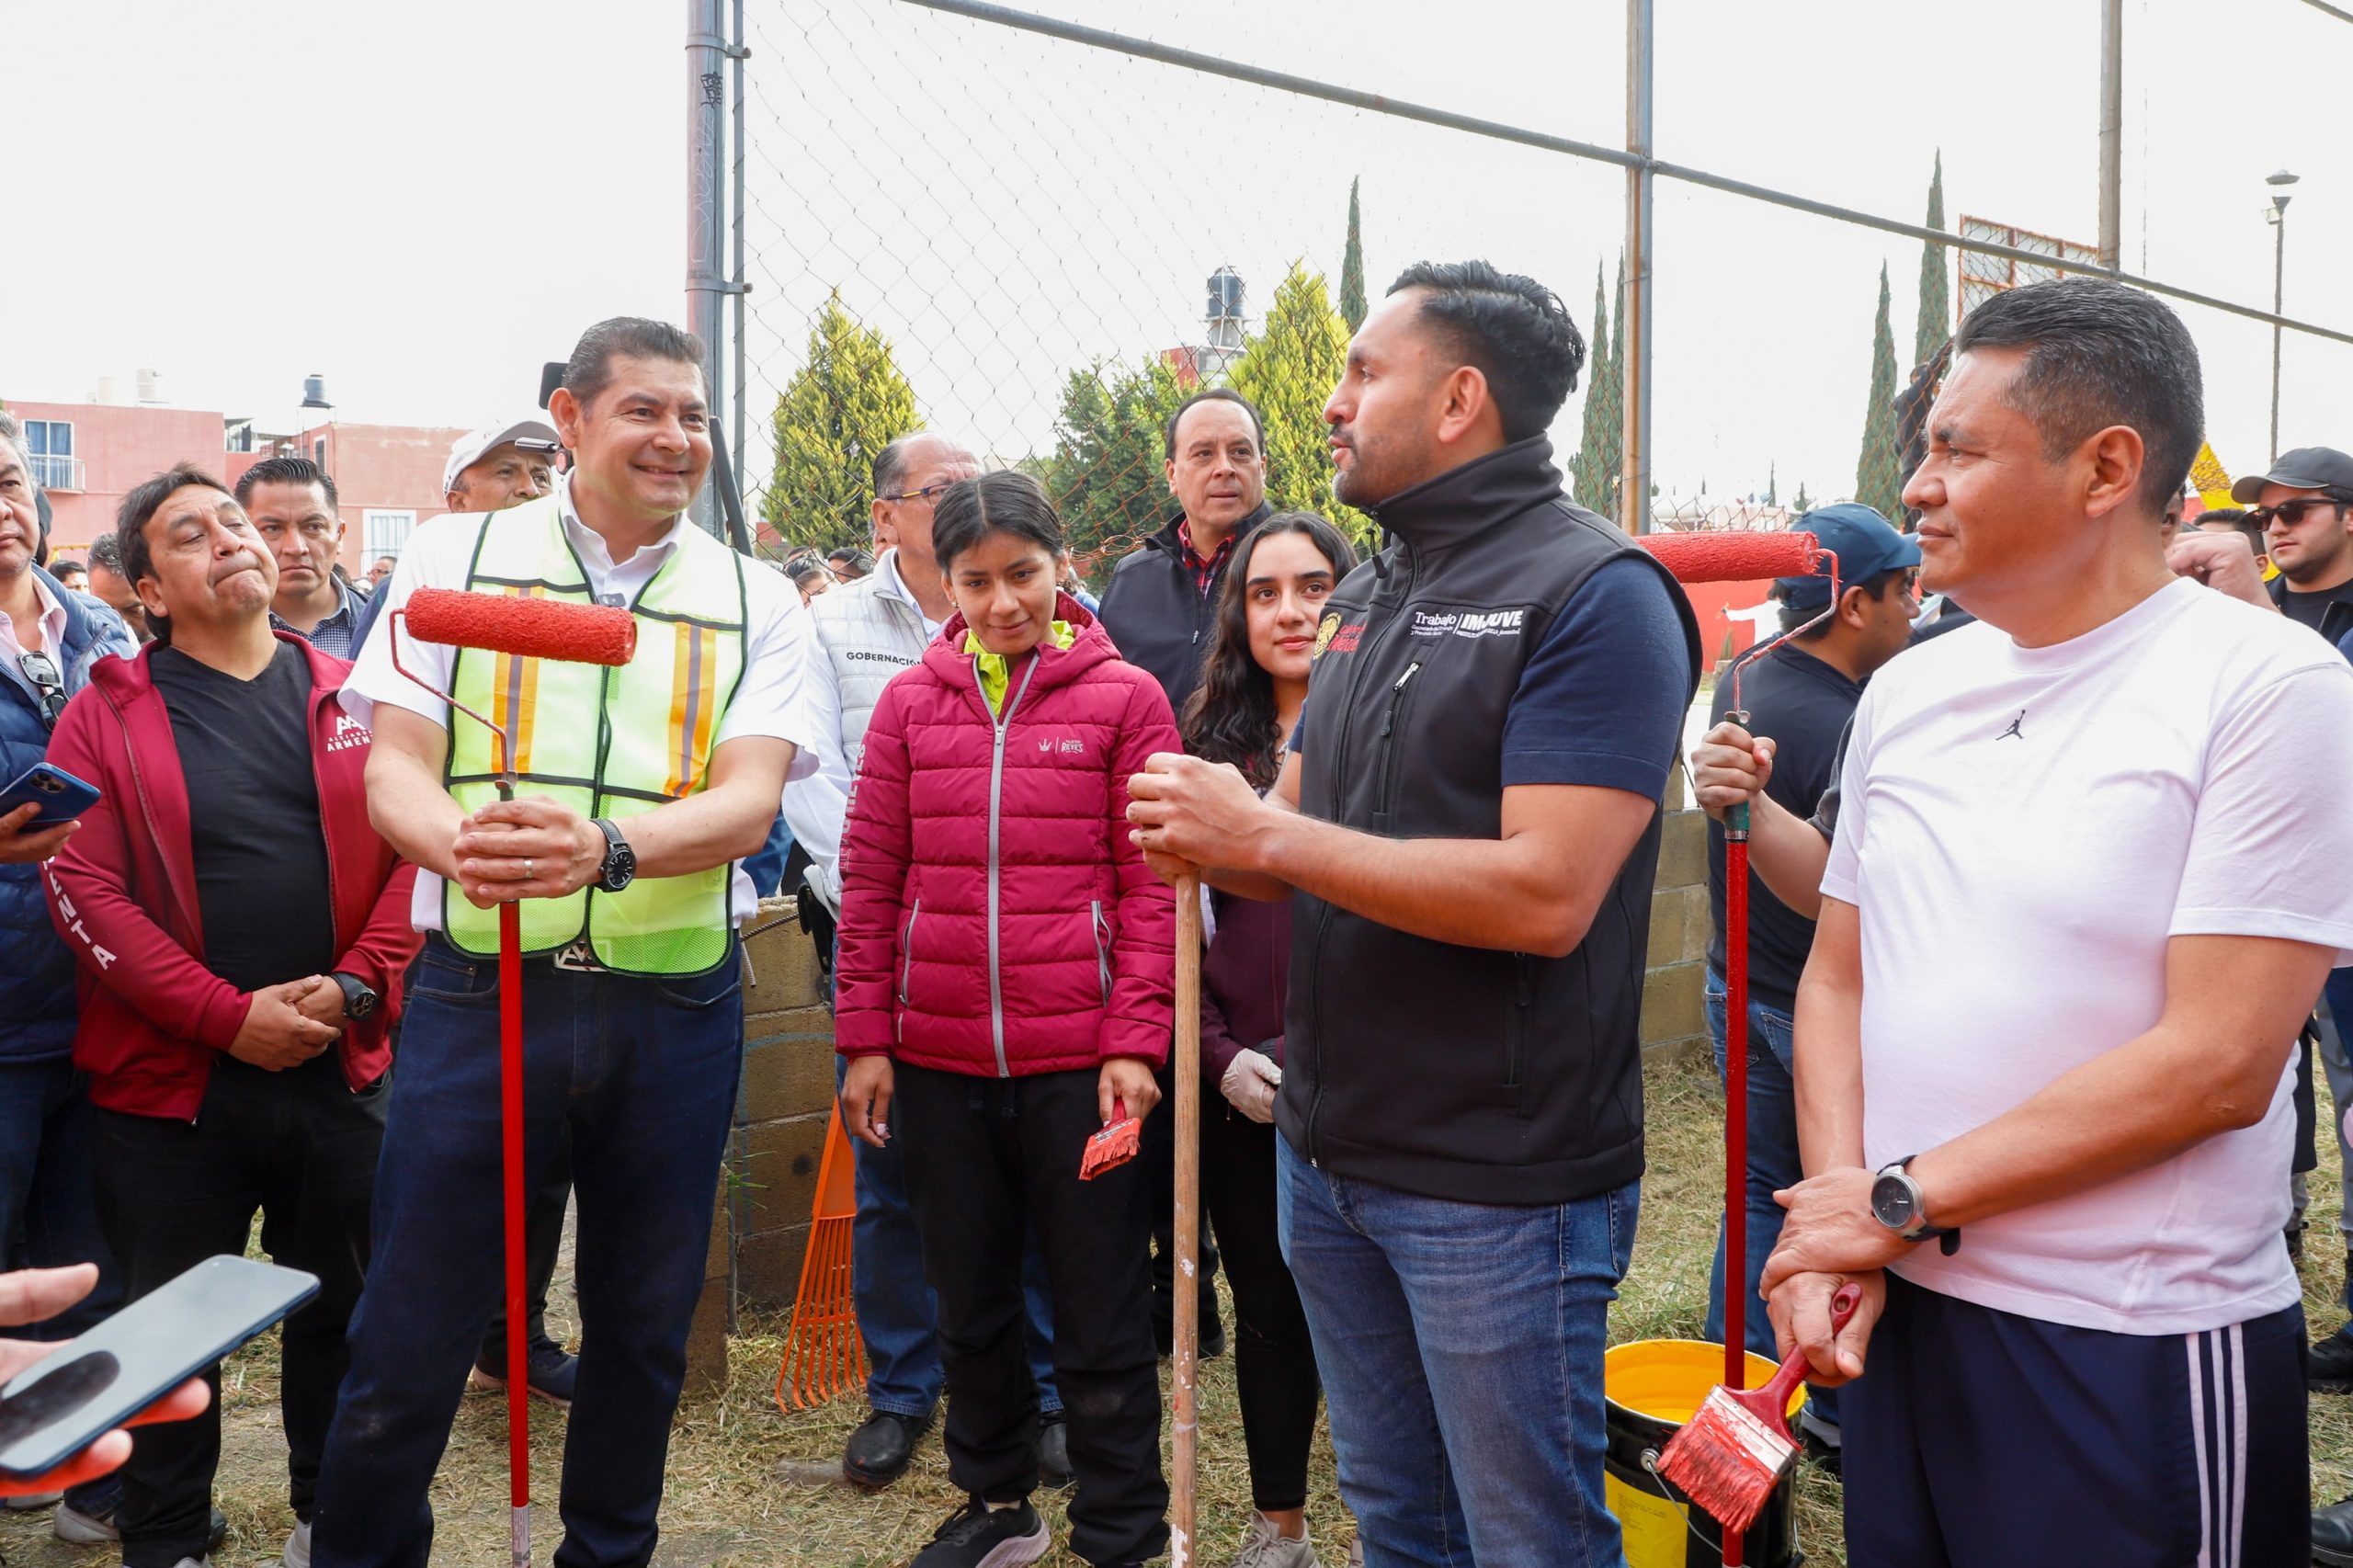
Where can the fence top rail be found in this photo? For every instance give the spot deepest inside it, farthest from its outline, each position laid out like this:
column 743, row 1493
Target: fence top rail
column 1380, row 103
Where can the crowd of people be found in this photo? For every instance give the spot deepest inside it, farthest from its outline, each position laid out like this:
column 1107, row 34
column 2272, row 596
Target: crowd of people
column 2037, row 936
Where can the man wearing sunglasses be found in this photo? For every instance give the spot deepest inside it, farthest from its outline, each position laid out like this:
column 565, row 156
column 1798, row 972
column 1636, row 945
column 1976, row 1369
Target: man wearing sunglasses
column 49, row 639
column 2305, row 507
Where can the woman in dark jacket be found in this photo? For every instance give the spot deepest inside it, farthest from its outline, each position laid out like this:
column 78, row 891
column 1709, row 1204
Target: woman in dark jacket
column 1253, row 685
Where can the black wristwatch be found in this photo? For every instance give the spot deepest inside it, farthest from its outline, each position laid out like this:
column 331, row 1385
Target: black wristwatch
column 621, row 860
column 359, row 998
column 1896, row 1203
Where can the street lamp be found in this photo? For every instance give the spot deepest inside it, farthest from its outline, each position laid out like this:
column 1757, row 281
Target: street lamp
column 2277, row 218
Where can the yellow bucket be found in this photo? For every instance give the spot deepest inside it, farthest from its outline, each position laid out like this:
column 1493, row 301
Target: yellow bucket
column 1653, row 1386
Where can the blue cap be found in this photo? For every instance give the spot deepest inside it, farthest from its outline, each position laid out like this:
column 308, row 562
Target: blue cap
column 1864, row 543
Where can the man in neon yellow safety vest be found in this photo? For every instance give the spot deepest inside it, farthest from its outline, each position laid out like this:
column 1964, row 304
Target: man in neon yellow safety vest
column 640, row 786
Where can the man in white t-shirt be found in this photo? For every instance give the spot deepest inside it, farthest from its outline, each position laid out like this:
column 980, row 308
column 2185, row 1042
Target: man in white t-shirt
column 2043, row 1042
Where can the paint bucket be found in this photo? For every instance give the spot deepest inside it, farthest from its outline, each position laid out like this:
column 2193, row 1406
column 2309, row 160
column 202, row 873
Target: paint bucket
column 1653, row 1387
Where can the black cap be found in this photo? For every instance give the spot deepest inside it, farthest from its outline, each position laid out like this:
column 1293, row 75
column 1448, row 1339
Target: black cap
column 2306, row 468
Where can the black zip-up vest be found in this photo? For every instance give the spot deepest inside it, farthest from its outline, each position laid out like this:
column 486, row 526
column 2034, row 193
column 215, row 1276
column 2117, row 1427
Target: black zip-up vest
column 1452, row 1072
column 1158, row 617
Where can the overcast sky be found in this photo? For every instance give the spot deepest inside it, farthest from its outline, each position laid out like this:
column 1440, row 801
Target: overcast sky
column 423, row 202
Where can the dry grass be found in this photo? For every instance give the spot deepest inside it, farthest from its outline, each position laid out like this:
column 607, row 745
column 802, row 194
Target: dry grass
column 728, row 1504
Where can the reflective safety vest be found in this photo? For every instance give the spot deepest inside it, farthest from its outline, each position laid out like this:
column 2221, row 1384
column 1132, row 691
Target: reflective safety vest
column 605, row 742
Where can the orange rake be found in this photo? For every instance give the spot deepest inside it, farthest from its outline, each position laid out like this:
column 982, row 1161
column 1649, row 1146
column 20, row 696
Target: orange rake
column 823, row 1357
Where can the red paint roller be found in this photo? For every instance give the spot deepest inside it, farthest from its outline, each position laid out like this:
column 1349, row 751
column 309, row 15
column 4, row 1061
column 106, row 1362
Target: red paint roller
column 1728, row 557
column 531, row 629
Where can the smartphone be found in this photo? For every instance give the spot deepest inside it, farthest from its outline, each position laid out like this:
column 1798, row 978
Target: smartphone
column 59, row 1405
column 61, row 796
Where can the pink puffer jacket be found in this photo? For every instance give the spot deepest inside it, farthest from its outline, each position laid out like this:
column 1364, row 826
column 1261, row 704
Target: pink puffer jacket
column 996, row 919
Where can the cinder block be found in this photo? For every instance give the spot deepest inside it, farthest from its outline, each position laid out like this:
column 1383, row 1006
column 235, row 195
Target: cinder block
column 707, row 1342
column 1666, row 929
column 788, row 1065
column 1671, row 1002
column 1683, row 851
column 1698, row 924
column 767, row 1265
column 1674, row 801
column 780, row 962
column 723, row 1227
column 778, row 1169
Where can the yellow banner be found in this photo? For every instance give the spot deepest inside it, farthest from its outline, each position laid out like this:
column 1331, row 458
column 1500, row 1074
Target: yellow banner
column 2209, row 478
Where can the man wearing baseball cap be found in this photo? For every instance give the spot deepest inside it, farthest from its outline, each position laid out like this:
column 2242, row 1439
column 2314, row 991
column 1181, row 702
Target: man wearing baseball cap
column 488, row 469
column 1801, row 694
column 2305, row 505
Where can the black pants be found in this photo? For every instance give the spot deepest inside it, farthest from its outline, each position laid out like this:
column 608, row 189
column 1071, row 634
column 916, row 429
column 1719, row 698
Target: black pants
column 1274, row 1357
column 300, row 1148
column 543, row 1240
column 1159, row 1159
column 987, row 1159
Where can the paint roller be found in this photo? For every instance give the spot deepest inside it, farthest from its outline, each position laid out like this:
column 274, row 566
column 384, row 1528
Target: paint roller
column 527, row 628
column 1722, row 557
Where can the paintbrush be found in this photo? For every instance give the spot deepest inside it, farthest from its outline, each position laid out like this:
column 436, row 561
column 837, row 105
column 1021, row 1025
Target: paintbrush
column 1112, row 1147
column 1731, row 1454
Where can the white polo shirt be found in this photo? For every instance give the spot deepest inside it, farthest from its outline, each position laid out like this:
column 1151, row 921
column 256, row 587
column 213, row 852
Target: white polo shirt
column 2022, row 831
column 771, row 699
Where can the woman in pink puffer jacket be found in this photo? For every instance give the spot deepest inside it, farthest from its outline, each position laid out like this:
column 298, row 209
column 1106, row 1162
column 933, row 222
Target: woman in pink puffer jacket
column 1004, row 983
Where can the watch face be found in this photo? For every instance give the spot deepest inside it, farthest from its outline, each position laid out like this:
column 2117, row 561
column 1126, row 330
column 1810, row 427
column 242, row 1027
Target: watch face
column 362, row 1004
column 1891, row 1201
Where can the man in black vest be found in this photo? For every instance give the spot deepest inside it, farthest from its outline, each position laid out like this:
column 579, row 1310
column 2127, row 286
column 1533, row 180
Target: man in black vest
column 1470, row 817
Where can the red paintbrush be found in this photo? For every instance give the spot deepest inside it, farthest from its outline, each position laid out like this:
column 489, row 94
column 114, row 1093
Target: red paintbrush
column 1114, row 1146
column 1729, row 1455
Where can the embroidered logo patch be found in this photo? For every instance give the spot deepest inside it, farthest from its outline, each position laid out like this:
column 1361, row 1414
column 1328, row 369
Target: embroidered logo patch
column 1323, row 635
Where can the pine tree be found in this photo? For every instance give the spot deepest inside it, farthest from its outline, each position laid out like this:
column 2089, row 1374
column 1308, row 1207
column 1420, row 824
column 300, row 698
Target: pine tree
column 1935, row 284
column 843, row 405
column 1106, row 475
column 1589, row 475
column 1772, row 480
column 1352, row 305
column 1801, row 504
column 1878, row 485
column 1289, row 371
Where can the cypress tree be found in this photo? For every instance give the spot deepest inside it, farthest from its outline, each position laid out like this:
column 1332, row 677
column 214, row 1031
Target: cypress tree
column 1352, row 305
column 1878, row 485
column 1588, row 480
column 846, row 403
column 1935, row 283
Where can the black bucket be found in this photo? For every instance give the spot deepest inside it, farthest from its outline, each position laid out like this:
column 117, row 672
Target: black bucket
column 1653, row 1386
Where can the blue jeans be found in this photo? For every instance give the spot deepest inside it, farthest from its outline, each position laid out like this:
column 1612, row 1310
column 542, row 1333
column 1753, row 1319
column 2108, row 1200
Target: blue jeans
column 643, row 1073
column 49, row 1208
column 1460, row 1345
column 1773, row 1164
column 898, row 1316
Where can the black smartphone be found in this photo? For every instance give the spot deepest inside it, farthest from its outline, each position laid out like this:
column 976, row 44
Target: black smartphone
column 61, row 796
column 63, row 1403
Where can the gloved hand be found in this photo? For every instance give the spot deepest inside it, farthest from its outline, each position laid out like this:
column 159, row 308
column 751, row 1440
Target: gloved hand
column 1249, row 1084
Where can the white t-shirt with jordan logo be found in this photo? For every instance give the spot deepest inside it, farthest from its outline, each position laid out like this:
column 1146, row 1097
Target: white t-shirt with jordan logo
column 2021, row 831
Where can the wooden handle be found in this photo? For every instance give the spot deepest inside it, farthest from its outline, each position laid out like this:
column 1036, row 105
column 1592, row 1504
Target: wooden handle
column 1185, row 1281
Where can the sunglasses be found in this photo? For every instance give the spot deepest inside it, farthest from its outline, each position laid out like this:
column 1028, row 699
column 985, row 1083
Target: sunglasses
column 48, row 685
column 2294, row 512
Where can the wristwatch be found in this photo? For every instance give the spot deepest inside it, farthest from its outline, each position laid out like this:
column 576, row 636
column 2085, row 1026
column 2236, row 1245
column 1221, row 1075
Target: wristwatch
column 1896, row 1203
column 621, row 860
column 359, row 998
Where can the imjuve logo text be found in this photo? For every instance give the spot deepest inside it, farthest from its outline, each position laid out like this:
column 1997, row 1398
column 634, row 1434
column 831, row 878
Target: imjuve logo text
column 1468, row 623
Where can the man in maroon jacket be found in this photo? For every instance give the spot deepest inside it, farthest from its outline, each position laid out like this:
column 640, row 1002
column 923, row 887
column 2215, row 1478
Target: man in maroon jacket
column 242, row 931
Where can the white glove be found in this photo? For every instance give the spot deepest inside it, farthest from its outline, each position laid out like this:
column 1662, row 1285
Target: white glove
column 1249, row 1084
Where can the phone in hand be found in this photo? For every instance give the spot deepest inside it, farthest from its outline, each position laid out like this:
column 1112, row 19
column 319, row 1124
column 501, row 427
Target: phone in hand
column 63, row 1403
column 61, row 796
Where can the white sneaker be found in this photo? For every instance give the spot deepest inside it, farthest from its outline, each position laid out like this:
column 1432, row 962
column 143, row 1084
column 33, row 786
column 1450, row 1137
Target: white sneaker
column 31, row 1502
column 1356, row 1552
column 70, row 1524
column 298, row 1546
column 194, row 1563
column 1266, row 1547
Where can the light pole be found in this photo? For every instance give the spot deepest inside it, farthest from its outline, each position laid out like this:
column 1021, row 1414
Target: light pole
column 2277, row 217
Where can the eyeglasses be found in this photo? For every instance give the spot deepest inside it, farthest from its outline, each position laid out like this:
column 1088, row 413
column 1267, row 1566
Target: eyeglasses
column 2294, row 512
column 48, row 687
column 929, row 493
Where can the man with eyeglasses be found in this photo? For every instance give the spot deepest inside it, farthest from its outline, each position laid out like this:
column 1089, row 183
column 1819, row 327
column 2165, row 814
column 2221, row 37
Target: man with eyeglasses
column 2305, row 508
column 867, row 631
column 50, row 637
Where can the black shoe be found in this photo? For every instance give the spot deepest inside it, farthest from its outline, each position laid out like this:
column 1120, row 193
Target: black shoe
column 2333, row 1534
column 2295, row 1236
column 977, row 1536
column 1054, row 1454
column 2330, row 1368
column 1212, row 1337
column 548, row 1372
column 879, row 1452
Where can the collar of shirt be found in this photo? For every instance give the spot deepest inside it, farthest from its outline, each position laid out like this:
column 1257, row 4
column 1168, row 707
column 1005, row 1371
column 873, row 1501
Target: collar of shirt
column 347, row 610
column 52, row 624
column 607, row 576
column 887, row 568
column 1204, row 572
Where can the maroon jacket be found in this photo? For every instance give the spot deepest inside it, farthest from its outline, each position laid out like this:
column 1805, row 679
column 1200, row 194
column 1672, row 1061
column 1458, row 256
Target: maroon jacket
column 122, row 893
column 1246, row 981
column 997, row 920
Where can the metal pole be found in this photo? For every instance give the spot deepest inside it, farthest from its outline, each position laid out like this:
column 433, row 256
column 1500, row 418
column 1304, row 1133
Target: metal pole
column 735, row 216
column 2279, row 286
column 706, row 212
column 1634, row 340
column 2112, row 131
column 1380, row 103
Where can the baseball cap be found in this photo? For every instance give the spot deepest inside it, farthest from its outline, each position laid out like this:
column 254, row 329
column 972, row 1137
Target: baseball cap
column 1864, row 543
column 2306, row 468
column 470, row 447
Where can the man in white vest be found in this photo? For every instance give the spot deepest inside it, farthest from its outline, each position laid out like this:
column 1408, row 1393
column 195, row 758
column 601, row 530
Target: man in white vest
column 867, row 631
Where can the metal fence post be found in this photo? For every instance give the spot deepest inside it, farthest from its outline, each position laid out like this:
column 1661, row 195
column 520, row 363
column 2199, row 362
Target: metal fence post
column 738, row 54
column 706, row 215
column 2112, row 133
column 1634, row 329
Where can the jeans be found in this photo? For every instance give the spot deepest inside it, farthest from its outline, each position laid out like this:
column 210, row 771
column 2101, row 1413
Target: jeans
column 1773, row 1164
column 642, row 1073
column 898, row 1316
column 49, row 1209
column 300, row 1147
column 1460, row 1345
column 2334, row 1062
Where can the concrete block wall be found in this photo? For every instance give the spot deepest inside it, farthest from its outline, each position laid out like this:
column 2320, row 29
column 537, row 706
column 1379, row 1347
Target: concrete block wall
column 1673, row 985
